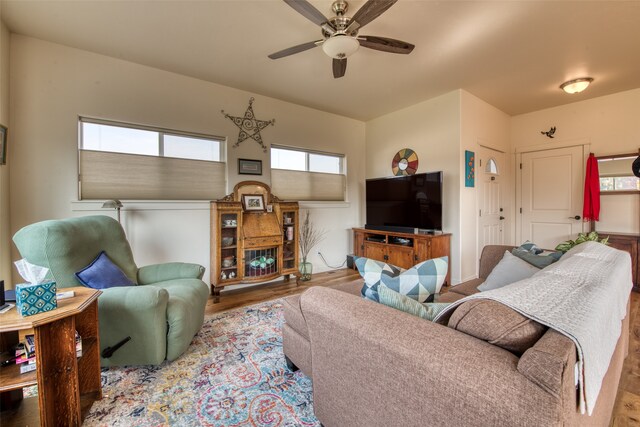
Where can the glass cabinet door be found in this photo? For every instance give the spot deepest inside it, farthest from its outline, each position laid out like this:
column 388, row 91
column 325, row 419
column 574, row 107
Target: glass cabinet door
column 289, row 238
column 228, row 246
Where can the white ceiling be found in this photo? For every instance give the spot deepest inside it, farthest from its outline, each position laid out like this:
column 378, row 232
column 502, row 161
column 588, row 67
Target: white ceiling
column 512, row 54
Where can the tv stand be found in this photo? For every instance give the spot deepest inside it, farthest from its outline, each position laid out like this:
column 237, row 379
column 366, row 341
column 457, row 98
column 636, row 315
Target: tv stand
column 401, row 249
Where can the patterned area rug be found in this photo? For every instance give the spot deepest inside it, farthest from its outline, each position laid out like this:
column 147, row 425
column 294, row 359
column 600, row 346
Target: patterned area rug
column 233, row 374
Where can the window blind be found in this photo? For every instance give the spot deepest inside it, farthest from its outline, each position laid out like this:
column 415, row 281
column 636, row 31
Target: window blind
column 299, row 185
column 105, row 175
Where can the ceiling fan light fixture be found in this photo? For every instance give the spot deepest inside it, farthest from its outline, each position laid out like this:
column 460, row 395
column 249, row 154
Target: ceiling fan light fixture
column 576, row 85
column 340, row 46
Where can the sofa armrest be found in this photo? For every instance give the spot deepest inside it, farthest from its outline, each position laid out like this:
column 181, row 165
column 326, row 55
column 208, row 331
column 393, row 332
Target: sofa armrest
column 139, row 312
column 546, row 363
column 168, row 271
column 376, row 366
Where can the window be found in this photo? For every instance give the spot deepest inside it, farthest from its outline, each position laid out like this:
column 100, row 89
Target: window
column 301, row 160
column 620, row 183
column 298, row 174
column 122, row 161
column 616, row 174
column 492, row 167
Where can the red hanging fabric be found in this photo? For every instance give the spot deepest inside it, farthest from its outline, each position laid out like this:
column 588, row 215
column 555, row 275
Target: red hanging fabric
column 591, row 207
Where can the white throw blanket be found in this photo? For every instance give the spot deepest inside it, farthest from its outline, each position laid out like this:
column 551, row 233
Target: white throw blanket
column 583, row 296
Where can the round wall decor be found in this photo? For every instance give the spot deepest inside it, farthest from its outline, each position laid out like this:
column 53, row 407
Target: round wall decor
column 405, row 162
column 635, row 167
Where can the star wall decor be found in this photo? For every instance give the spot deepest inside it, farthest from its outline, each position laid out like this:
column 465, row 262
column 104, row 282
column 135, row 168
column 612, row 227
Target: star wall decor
column 249, row 126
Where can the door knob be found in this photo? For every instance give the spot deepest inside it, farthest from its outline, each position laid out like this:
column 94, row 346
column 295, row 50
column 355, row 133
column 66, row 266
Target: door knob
column 577, row 217
column 501, row 218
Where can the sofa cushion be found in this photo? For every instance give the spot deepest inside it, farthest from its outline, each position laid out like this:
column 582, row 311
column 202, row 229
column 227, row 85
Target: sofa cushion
column 420, row 281
column 448, row 297
column 102, row 273
column 509, row 270
column 404, row 303
column 372, row 271
column 497, row 324
column 467, row 288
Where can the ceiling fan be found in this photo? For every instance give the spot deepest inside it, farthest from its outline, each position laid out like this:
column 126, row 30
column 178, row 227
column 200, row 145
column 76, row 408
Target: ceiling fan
column 340, row 32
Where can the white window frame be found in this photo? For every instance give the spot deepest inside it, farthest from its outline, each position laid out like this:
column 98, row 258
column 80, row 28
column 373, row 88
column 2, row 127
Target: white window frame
column 213, row 172
column 310, row 185
column 341, row 158
column 161, row 134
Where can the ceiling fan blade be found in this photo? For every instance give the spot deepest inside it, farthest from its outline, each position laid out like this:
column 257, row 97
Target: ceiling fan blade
column 306, row 9
column 368, row 12
column 339, row 67
column 385, row 44
column 295, row 49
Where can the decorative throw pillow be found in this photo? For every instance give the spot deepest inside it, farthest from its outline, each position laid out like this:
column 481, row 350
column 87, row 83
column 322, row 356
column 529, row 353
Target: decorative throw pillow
column 497, row 324
column 510, row 269
column 393, row 299
column 537, row 260
column 102, row 273
column 420, row 281
column 530, row 247
column 371, row 271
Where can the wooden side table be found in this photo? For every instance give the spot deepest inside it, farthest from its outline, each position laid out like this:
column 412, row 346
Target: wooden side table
column 62, row 378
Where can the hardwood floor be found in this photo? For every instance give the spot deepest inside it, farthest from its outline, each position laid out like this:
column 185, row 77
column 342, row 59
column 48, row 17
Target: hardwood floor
column 626, row 412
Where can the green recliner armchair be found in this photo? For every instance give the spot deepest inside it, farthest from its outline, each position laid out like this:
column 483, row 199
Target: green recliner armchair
column 161, row 313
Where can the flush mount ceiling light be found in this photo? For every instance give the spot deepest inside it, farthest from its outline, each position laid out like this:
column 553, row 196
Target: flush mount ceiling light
column 340, row 46
column 576, row 85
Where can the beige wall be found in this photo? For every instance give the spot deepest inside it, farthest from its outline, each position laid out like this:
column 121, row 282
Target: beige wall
column 5, row 257
column 482, row 125
column 52, row 85
column 432, row 129
column 610, row 124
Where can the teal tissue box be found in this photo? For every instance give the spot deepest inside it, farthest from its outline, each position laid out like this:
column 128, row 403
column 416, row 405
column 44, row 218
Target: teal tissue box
column 34, row 299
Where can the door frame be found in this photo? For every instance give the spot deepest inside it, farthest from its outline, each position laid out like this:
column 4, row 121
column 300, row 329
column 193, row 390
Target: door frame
column 503, row 194
column 585, row 143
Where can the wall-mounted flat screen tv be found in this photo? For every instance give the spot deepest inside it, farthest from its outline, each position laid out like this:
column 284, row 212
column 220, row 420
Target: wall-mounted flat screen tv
column 406, row 203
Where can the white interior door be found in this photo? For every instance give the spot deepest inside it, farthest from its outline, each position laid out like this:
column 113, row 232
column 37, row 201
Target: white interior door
column 551, row 195
column 491, row 213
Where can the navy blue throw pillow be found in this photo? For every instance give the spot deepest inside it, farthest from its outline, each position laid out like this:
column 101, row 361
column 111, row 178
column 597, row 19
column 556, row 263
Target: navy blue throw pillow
column 102, row 273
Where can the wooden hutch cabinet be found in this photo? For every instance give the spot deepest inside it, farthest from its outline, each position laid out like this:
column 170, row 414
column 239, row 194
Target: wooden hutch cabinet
column 401, row 249
column 628, row 242
column 252, row 246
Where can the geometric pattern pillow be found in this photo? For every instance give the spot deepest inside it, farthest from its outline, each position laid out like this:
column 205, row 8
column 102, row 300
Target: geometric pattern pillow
column 420, row 281
column 372, row 271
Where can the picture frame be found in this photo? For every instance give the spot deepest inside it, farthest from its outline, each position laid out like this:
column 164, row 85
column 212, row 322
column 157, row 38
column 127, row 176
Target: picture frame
column 469, row 169
column 249, row 167
column 253, row 202
column 3, row 145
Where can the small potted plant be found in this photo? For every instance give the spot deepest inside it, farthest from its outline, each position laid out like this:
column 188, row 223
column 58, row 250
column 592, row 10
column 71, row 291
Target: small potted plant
column 582, row 237
column 309, row 237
